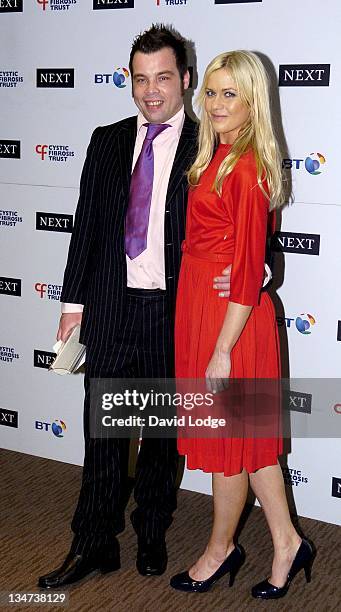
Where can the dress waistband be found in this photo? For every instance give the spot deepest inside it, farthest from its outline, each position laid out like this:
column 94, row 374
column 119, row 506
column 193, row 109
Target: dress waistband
column 215, row 257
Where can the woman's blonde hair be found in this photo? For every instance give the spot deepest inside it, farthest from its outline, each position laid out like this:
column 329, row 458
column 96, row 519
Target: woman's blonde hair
column 252, row 84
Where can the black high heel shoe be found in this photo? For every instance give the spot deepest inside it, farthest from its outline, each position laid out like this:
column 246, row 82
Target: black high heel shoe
column 231, row 565
column 303, row 560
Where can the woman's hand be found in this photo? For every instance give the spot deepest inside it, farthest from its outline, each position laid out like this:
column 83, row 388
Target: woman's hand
column 218, row 370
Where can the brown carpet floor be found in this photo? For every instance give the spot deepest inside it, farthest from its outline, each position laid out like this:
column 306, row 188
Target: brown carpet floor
column 38, row 499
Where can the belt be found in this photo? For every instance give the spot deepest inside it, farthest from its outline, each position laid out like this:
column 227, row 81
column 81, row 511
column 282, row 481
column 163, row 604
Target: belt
column 207, row 256
column 145, row 292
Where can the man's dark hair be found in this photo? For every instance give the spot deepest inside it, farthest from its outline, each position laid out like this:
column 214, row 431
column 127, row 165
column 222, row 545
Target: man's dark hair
column 160, row 37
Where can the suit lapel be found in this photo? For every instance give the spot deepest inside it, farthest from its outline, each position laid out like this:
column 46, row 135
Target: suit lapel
column 127, row 140
column 185, row 154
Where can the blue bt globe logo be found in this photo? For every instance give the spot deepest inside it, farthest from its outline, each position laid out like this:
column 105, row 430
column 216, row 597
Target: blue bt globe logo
column 119, row 77
column 58, row 427
column 304, row 322
column 314, row 162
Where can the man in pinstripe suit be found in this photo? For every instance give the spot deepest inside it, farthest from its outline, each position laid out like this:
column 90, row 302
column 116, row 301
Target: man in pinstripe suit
column 128, row 317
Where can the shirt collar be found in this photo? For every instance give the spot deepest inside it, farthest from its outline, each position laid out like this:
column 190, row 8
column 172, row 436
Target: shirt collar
column 177, row 121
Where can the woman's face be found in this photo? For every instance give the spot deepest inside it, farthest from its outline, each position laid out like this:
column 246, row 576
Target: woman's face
column 227, row 113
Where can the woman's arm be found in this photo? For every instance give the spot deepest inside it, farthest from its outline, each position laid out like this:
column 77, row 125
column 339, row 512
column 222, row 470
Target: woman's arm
column 250, row 213
column 220, row 363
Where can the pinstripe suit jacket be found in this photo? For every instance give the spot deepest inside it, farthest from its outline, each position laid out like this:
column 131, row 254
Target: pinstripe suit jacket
column 95, row 273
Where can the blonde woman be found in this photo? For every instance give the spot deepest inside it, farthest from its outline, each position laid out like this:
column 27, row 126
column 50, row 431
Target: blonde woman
column 235, row 182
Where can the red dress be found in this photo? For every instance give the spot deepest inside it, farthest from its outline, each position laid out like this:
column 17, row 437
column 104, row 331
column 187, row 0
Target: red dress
column 220, row 231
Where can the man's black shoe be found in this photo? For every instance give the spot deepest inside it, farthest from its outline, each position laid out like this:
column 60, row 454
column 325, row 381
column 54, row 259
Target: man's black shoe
column 151, row 558
column 76, row 567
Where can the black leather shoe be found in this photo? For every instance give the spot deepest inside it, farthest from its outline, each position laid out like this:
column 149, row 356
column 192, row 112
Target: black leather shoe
column 76, row 567
column 303, row 560
column 231, row 565
column 151, row 558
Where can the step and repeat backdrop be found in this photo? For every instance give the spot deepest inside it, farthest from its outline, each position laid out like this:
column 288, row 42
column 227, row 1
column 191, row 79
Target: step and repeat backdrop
column 64, row 71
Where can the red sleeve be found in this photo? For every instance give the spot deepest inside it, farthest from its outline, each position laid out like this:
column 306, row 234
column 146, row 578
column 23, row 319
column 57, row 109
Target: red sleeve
column 250, row 218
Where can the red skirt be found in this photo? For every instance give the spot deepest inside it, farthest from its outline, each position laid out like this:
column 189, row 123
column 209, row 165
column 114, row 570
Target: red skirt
column 200, row 314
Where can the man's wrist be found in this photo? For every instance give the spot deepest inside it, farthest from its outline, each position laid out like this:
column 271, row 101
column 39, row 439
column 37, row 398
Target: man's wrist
column 68, row 308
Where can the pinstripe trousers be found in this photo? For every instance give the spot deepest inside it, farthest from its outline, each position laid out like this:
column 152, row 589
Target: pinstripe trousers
column 145, row 349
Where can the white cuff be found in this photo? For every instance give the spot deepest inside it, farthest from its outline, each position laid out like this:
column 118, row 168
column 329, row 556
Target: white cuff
column 268, row 276
column 68, row 308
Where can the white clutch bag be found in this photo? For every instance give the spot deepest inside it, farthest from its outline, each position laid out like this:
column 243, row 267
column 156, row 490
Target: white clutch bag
column 70, row 354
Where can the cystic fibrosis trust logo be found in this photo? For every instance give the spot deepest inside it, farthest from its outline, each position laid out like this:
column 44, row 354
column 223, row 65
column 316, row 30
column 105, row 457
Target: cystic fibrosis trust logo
column 52, row 292
column 10, row 78
column 9, row 218
column 56, row 5
column 8, row 354
column 312, row 163
column 58, row 427
column 54, row 153
column 117, row 78
column 171, row 2
column 294, row 478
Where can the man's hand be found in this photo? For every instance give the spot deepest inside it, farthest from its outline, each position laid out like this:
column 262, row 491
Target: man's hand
column 67, row 322
column 222, row 283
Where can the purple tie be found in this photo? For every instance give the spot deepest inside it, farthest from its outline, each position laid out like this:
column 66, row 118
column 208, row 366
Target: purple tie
column 140, row 196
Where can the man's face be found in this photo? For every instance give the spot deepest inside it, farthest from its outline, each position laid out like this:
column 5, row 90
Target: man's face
column 157, row 87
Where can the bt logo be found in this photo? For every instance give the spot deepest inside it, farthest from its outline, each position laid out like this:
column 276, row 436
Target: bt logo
column 40, row 288
column 41, row 149
column 312, row 163
column 303, row 322
column 119, row 77
column 57, row 427
column 304, row 325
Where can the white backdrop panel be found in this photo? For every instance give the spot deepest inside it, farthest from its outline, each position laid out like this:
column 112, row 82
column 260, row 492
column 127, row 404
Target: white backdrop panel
column 98, row 42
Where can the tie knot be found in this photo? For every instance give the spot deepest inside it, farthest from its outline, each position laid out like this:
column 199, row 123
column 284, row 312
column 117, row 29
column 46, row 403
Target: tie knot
column 154, row 129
